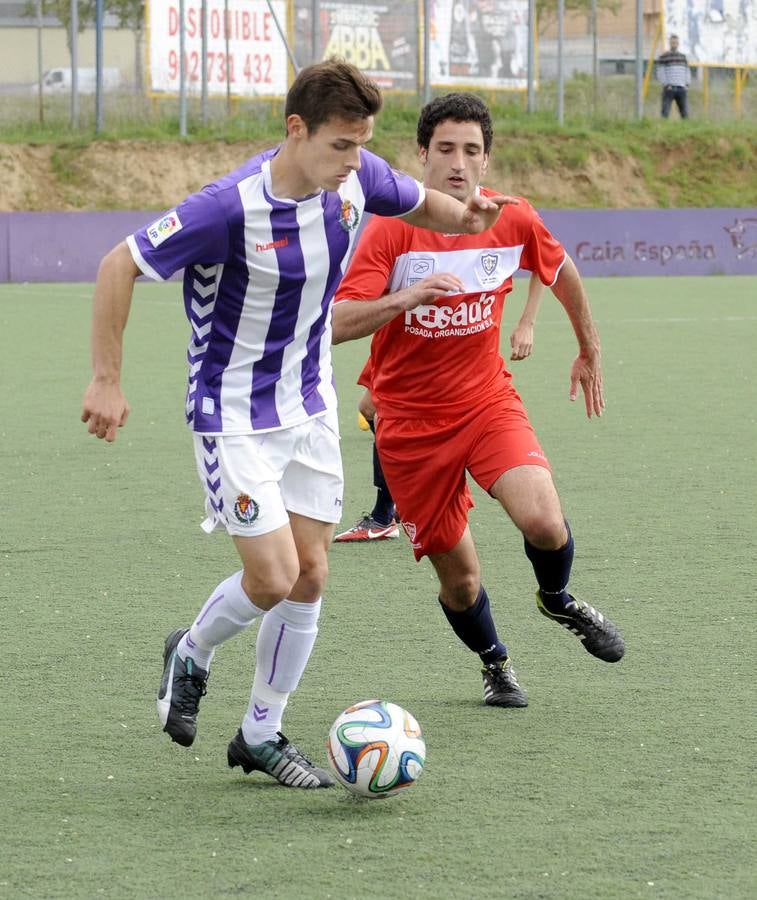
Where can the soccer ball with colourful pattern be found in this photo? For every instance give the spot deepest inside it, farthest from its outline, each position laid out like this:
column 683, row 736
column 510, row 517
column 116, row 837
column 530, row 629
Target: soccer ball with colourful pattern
column 376, row 749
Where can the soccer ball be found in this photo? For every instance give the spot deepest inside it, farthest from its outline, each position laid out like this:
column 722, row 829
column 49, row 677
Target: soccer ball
column 376, row 749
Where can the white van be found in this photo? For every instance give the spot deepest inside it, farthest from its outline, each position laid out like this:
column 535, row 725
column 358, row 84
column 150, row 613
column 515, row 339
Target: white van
column 58, row 81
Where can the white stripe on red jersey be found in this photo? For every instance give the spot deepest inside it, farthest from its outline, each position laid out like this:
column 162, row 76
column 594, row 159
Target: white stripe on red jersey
column 439, row 359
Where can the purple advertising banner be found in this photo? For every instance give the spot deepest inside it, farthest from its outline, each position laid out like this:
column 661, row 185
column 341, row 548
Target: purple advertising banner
column 658, row 241
column 61, row 246
column 68, row 246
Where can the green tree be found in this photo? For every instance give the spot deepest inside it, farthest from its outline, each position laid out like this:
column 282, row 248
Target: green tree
column 61, row 9
column 130, row 13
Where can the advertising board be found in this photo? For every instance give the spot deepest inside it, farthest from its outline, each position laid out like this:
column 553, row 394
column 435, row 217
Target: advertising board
column 245, row 49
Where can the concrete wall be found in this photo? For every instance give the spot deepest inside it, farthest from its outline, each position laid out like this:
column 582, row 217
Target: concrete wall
column 18, row 52
column 53, row 247
column 621, row 23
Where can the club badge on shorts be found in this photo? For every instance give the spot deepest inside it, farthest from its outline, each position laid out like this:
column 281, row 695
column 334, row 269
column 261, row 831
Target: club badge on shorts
column 246, row 509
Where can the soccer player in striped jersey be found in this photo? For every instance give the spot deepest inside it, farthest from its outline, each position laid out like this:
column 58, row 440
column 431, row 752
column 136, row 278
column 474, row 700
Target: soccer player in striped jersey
column 262, row 251
column 445, row 402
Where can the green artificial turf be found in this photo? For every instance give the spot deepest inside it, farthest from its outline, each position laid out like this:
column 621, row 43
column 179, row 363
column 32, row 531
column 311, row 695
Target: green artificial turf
column 618, row 781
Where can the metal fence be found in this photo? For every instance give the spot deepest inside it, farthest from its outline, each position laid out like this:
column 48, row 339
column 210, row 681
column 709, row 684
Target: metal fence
column 201, row 60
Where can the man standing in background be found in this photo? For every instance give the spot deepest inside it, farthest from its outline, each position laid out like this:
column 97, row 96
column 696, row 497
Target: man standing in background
column 674, row 75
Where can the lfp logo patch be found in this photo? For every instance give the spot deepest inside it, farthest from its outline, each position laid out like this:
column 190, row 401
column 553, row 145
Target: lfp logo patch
column 246, row 509
column 162, row 229
column 348, row 216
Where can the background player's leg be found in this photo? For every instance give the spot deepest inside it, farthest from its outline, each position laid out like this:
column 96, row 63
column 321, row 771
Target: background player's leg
column 384, row 511
column 381, row 523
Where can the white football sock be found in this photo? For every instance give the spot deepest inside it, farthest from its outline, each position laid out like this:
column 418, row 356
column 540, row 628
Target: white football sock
column 226, row 612
column 285, row 640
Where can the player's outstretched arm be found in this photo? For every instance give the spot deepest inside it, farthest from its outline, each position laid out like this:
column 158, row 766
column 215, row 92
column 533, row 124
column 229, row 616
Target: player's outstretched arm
column 587, row 366
column 522, row 338
column 104, row 407
column 440, row 212
column 352, row 319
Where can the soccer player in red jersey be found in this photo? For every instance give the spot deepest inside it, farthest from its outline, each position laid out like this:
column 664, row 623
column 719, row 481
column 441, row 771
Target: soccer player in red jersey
column 445, row 402
column 380, row 524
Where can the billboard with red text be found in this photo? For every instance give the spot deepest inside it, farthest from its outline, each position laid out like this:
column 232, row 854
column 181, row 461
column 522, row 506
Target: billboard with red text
column 245, row 50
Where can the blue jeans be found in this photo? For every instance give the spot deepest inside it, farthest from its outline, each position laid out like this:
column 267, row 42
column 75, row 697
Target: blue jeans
column 679, row 94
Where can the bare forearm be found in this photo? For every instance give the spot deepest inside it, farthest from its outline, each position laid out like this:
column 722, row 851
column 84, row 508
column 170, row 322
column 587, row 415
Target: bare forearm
column 110, row 311
column 357, row 318
column 354, row 319
column 533, row 301
column 439, row 212
column 570, row 292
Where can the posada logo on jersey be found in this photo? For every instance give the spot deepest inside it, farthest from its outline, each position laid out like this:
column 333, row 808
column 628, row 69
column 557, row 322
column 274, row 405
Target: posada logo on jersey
column 163, row 229
column 469, row 316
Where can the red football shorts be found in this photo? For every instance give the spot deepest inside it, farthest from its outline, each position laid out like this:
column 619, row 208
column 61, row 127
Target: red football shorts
column 425, row 461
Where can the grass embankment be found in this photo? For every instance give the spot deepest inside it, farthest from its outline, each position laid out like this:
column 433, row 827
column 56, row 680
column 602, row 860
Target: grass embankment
column 592, row 161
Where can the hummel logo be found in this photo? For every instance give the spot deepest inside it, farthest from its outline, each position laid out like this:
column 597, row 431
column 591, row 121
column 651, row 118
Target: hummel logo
column 273, row 245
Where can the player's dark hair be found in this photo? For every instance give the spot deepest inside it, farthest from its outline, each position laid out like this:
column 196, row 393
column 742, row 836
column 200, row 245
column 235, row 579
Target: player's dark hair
column 459, row 108
column 332, row 88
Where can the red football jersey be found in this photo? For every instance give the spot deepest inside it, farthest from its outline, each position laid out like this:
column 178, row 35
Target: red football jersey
column 445, row 355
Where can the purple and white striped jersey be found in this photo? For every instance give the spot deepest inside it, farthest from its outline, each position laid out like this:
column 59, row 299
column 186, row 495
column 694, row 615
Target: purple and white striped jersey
column 260, row 275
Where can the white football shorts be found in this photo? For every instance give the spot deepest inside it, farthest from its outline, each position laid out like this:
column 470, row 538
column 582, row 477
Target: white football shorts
column 253, row 481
